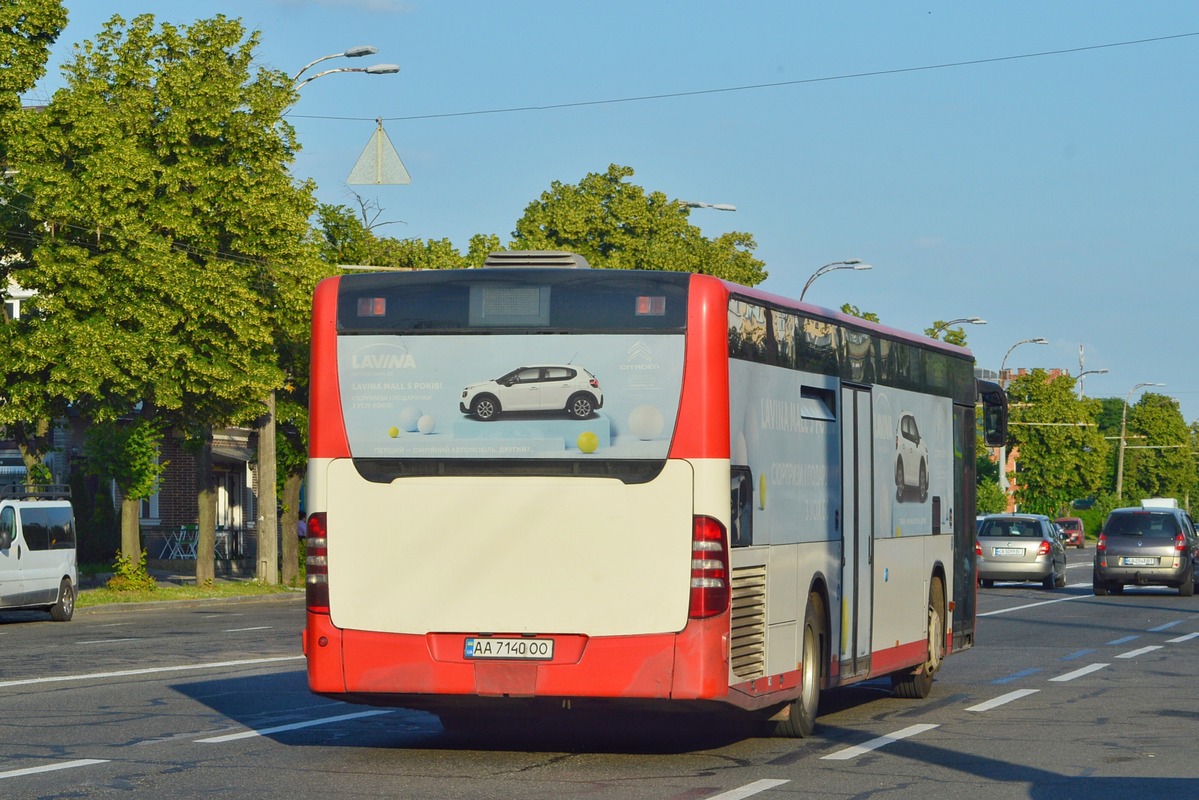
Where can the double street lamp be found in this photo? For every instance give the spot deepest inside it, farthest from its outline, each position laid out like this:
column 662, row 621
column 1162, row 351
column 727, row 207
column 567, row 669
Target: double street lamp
column 1123, row 428
column 353, row 52
column 713, row 206
column 1003, row 482
column 852, row 263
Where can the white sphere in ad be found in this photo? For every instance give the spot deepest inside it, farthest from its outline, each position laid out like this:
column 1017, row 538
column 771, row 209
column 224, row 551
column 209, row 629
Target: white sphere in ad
column 426, row 424
column 646, row 422
column 408, row 418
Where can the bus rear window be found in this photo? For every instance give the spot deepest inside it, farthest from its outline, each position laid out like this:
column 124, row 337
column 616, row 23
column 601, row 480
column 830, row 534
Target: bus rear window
column 511, row 300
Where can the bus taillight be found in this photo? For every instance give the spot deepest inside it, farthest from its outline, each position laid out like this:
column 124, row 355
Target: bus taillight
column 316, row 564
column 709, row 569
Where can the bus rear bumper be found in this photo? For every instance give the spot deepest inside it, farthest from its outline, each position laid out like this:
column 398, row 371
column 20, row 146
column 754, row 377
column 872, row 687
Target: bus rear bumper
column 381, row 668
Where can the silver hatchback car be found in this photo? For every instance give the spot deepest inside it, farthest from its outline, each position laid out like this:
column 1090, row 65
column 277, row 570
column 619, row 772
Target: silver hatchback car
column 1020, row 547
column 1146, row 547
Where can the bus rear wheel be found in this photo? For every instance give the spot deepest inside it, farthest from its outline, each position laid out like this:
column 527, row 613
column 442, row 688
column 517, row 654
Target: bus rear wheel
column 800, row 715
column 918, row 682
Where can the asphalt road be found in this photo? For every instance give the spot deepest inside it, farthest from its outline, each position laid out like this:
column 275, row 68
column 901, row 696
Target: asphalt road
column 1066, row 695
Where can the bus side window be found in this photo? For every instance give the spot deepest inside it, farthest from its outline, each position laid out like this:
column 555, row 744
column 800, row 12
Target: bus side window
column 742, row 518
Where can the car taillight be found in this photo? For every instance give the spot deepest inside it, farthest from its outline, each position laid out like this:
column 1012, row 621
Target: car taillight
column 1043, row 550
column 978, row 548
column 1101, row 543
column 709, row 569
column 316, row 565
column 1180, row 543
column 594, row 383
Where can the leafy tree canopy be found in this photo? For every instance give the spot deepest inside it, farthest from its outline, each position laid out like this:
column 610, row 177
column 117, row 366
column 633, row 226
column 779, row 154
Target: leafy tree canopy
column 27, row 30
column 170, row 234
column 1158, row 460
column 1062, row 452
column 617, row 225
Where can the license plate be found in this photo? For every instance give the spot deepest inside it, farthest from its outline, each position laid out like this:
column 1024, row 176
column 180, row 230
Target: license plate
column 1139, row 561
column 1008, row 551
column 521, row 649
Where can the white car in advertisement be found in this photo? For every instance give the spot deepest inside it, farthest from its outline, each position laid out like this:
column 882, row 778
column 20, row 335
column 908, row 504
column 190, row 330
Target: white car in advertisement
column 911, row 460
column 546, row 388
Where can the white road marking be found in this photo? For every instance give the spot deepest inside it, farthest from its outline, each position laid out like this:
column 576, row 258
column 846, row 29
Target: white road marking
column 249, row 662
column 1032, row 605
column 229, row 737
column 1140, row 651
column 1003, row 699
column 874, row 744
column 749, row 789
column 242, row 630
column 83, row 762
column 1184, row 638
column 1078, row 673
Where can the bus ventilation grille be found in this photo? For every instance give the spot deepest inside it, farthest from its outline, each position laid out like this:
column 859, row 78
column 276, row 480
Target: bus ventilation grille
column 749, row 622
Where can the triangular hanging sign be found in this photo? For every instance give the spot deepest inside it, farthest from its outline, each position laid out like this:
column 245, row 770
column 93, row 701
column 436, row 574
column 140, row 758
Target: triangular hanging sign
column 379, row 163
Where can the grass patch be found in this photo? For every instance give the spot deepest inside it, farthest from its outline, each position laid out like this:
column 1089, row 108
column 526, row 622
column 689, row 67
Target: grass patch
column 104, row 596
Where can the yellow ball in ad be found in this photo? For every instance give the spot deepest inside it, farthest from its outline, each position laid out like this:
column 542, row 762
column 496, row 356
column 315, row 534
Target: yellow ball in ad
column 588, row 442
column 393, row 431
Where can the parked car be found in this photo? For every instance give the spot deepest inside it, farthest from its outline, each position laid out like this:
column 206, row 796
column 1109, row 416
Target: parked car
column 1020, row 547
column 1076, row 535
column 1146, row 547
column 551, row 387
column 37, row 550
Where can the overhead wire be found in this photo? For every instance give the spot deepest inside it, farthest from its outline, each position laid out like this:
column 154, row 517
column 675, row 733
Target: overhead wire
column 758, row 86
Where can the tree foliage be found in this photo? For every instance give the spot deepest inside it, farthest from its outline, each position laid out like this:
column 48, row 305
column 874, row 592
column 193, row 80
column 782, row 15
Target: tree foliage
column 159, row 180
column 1158, row 459
column 171, row 249
column 1061, row 451
column 617, row 225
column 27, row 30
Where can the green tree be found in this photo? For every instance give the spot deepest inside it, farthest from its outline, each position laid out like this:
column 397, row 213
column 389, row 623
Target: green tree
column 170, row 236
column 1157, row 451
column 27, row 31
column 127, row 454
column 854, row 311
column 1061, row 451
column 949, row 335
column 617, row 225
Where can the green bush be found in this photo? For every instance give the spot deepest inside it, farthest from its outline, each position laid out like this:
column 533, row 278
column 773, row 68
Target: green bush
column 130, row 577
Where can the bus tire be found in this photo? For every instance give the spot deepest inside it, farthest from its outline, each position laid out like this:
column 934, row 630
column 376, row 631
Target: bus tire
column 64, row 609
column 580, row 405
column 800, row 714
column 918, row 682
column 485, row 407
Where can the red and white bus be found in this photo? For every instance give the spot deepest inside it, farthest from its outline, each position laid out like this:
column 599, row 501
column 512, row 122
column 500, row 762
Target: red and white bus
column 538, row 489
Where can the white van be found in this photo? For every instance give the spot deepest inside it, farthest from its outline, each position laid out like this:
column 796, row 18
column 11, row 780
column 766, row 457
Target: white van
column 37, row 550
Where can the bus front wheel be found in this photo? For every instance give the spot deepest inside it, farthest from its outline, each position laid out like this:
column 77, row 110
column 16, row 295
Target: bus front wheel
column 799, row 719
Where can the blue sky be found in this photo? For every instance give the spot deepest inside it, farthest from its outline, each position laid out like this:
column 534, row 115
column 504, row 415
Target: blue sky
column 1030, row 163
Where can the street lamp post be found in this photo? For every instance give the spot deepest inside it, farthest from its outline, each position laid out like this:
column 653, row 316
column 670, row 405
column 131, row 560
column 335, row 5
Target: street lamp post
column 852, row 263
column 944, row 326
column 1123, row 428
column 1003, row 481
column 268, row 501
column 1088, row 372
column 713, row 206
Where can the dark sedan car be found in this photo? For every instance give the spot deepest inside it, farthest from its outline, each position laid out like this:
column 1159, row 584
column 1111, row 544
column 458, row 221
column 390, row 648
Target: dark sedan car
column 1146, row 547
